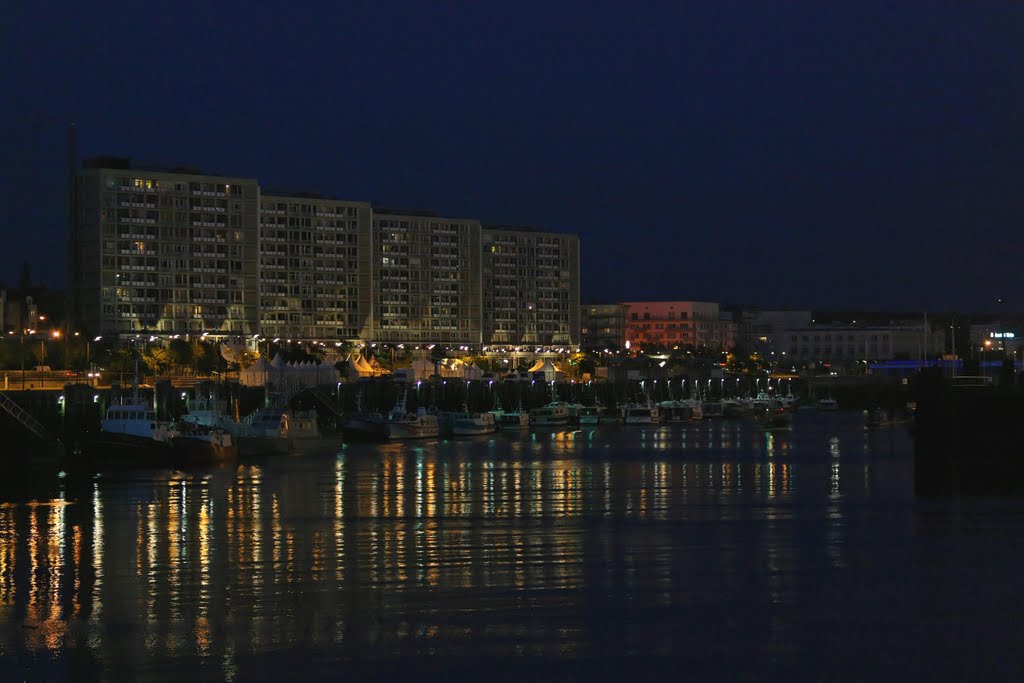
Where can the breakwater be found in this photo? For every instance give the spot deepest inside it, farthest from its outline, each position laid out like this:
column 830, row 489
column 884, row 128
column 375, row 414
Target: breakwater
column 968, row 440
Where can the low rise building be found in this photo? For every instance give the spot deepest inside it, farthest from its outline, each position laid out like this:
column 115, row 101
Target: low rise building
column 672, row 324
column 867, row 342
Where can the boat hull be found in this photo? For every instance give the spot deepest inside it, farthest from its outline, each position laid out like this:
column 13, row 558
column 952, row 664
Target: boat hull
column 260, row 445
column 514, row 421
column 197, row 451
column 472, row 430
column 399, row 431
column 123, row 450
column 362, row 428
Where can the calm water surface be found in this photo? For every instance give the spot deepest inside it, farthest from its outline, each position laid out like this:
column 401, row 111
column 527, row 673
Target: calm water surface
column 697, row 552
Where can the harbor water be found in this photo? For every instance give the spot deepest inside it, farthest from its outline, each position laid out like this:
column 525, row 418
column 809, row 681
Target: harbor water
column 705, row 551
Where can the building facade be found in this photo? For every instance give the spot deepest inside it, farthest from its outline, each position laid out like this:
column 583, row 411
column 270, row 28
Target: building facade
column 868, row 342
column 315, row 268
column 603, row 327
column 671, row 324
column 164, row 251
column 175, row 251
column 426, row 275
column 531, row 285
column 993, row 339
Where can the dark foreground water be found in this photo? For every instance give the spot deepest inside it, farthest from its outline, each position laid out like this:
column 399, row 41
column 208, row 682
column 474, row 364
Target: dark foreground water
column 705, row 552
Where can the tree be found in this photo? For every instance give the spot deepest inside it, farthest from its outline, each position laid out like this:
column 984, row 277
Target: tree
column 437, row 354
column 158, row 359
column 122, row 361
column 208, row 358
column 14, row 354
column 248, row 358
column 181, row 354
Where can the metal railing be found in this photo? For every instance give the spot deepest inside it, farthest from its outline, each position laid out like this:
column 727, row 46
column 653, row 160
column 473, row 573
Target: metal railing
column 24, row 417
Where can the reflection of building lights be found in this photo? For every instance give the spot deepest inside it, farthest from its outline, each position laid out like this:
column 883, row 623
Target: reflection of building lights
column 97, row 553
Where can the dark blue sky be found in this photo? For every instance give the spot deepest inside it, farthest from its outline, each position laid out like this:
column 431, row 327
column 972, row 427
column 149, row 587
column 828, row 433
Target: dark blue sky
column 802, row 154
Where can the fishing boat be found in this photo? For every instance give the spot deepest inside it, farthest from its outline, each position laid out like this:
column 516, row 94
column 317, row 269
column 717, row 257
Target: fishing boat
column 465, row 423
column 641, row 413
column 198, row 444
column 712, row 408
column 552, row 414
column 130, row 435
column 673, row 411
column 418, row 425
column 827, row 404
column 774, row 419
column 733, row 407
column 363, row 425
column 276, row 430
column 761, row 401
column 402, row 424
column 510, row 420
column 590, row 415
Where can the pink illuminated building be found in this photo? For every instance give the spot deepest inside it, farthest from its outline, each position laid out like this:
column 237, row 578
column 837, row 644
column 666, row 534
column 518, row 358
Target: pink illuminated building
column 677, row 324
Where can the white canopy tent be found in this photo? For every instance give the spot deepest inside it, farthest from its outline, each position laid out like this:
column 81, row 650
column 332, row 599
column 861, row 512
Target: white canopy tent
column 550, row 370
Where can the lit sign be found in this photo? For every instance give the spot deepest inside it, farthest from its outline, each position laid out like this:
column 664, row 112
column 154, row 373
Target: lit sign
column 1002, row 335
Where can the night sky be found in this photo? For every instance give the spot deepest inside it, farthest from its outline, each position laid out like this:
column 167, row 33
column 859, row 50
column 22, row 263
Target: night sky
column 789, row 154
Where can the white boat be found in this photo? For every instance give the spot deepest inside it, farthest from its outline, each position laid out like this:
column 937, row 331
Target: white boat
column 828, row 404
column 553, row 414
column 641, row 413
column 136, row 421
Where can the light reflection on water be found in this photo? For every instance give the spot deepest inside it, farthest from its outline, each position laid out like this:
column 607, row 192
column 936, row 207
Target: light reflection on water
column 670, row 540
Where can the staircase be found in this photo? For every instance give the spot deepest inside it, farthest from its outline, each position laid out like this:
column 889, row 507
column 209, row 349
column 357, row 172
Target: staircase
column 24, row 417
column 323, row 400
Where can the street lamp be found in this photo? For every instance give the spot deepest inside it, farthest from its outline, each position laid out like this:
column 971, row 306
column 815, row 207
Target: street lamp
column 984, row 356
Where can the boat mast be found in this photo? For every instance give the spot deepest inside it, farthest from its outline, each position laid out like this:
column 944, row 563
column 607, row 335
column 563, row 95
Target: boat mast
column 135, row 390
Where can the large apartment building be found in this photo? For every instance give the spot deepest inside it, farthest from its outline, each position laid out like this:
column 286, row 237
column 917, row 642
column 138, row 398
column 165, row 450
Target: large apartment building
column 315, row 268
column 163, row 250
column 531, row 280
column 176, row 251
column 426, row 272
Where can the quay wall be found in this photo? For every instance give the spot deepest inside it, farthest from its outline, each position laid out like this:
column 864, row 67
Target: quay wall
column 968, row 440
